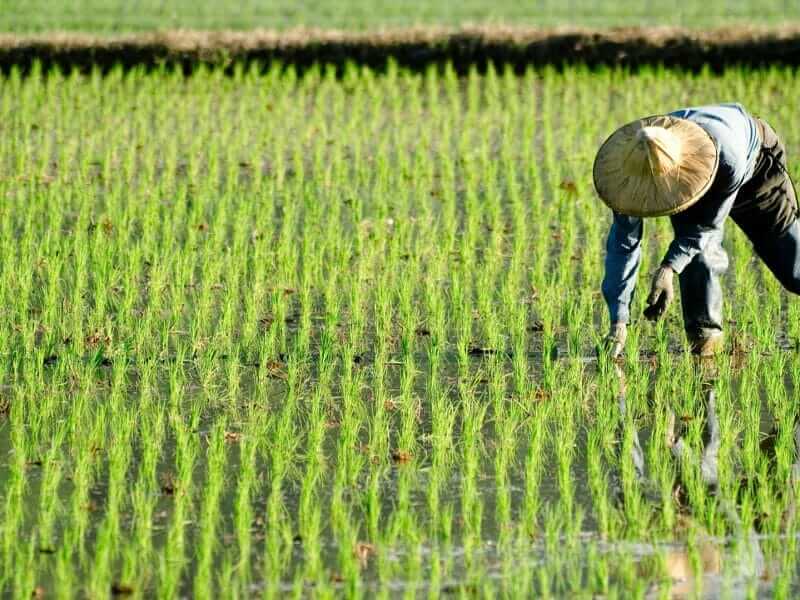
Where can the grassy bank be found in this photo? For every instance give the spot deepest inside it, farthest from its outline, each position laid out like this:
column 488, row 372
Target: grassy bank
column 114, row 16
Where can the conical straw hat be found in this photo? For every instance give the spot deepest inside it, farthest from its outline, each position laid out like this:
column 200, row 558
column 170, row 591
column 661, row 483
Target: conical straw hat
column 655, row 166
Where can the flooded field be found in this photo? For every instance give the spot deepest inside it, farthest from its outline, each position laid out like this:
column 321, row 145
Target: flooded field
column 287, row 334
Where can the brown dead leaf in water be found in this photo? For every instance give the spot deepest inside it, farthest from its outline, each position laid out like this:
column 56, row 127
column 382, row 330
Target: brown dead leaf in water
column 363, row 551
column 202, row 227
column 232, row 437
column 569, row 187
column 97, row 338
column 336, row 578
column 275, row 369
column 541, row 395
column 401, row 457
column 38, row 592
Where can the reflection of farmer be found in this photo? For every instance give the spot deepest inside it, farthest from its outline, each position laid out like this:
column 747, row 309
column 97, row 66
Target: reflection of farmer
column 738, row 557
column 697, row 165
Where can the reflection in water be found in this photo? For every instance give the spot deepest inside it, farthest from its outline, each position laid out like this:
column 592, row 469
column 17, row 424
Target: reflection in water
column 725, row 566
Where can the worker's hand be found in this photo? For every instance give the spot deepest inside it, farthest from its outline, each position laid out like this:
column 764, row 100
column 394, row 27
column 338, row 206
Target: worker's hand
column 615, row 340
column 661, row 293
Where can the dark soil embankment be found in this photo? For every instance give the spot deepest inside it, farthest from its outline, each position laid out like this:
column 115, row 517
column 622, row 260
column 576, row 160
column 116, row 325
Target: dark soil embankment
column 412, row 48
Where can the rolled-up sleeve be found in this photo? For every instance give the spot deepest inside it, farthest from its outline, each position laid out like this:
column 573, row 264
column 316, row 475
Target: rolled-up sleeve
column 623, row 255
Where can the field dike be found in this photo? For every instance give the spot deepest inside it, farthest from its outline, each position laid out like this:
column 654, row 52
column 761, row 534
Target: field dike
column 412, row 48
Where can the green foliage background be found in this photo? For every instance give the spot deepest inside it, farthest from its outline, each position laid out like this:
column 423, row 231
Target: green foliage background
column 142, row 15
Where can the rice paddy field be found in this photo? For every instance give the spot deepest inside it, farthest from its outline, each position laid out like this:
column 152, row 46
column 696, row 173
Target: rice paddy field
column 293, row 334
column 144, row 15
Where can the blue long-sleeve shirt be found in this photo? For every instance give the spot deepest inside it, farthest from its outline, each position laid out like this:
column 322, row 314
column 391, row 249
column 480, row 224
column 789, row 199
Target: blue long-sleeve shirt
column 736, row 137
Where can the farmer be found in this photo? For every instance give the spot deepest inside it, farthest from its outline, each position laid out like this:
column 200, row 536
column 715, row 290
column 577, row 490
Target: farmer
column 697, row 166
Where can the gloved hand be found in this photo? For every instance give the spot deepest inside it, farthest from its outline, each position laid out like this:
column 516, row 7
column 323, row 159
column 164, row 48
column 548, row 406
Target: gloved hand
column 661, row 293
column 615, row 340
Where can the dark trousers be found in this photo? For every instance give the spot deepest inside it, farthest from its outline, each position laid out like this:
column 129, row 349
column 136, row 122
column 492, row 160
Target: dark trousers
column 766, row 210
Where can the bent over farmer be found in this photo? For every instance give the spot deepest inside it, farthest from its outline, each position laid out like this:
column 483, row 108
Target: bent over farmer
column 697, row 166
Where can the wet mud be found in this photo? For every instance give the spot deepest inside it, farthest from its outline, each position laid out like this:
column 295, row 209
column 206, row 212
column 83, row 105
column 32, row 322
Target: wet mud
column 417, row 49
